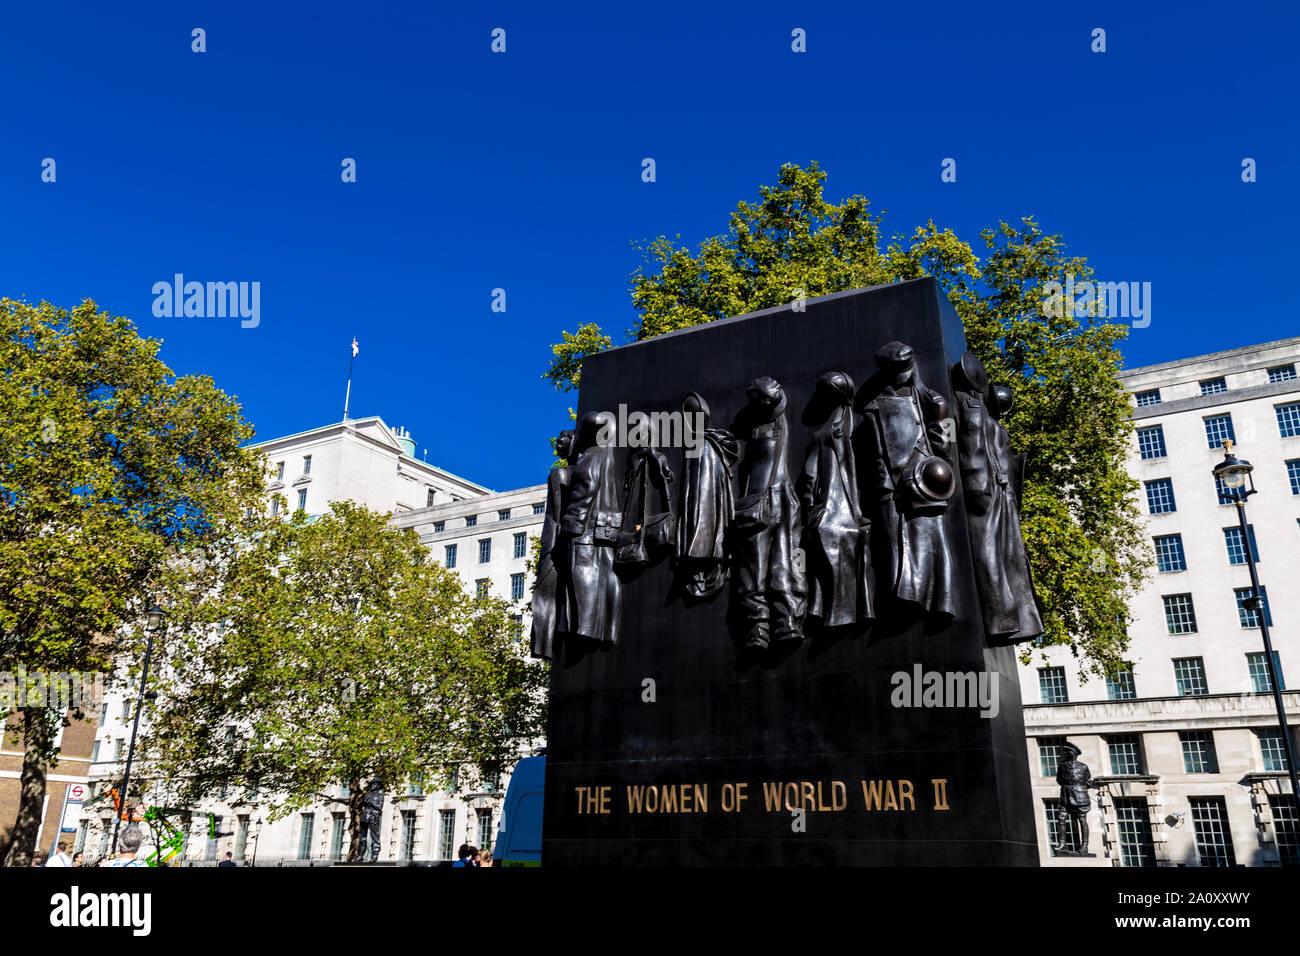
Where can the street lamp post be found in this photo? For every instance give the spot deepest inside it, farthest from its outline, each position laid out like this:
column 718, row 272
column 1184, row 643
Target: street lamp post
column 154, row 617
column 1235, row 473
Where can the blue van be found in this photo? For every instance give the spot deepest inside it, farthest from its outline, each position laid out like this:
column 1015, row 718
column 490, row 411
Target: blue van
column 519, row 837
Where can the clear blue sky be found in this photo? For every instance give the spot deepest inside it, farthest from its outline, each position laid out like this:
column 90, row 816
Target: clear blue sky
column 522, row 171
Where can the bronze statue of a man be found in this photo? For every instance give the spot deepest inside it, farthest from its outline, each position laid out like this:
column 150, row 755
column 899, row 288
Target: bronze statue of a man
column 372, row 810
column 1072, row 814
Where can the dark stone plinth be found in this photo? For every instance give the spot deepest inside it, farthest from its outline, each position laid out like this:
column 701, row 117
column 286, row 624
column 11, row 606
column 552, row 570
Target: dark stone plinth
column 814, row 716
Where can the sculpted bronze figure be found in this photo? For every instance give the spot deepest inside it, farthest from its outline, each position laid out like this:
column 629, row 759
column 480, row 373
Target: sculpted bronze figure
column 1072, row 814
column 372, row 810
column 588, row 530
column 990, row 477
column 770, row 588
column 707, row 502
column 649, row 525
column 910, row 480
column 835, row 533
column 550, row 594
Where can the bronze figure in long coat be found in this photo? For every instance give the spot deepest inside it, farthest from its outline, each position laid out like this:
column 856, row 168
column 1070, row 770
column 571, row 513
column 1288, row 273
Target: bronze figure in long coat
column 550, row 593
column 835, row 532
column 588, row 530
column 707, row 502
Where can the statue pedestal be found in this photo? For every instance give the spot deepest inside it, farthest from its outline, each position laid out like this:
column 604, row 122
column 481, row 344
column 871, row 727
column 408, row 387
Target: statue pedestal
column 671, row 748
column 1092, row 859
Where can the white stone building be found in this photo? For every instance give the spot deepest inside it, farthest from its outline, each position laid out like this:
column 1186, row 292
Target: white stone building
column 367, row 462
column 1187, row 742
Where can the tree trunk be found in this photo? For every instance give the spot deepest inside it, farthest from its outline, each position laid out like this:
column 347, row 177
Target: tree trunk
column 355, row 796
column 37, row 737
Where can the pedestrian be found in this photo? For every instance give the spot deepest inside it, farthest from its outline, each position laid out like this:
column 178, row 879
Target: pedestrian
column 468, row 855
column 228, row 861
column 127, row 845
column 484, row 857
column 78, row 859
column 60, row 857
column 38, row 859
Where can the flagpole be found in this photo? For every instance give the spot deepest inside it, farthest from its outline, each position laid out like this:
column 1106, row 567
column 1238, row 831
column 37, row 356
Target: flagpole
column 347, row 398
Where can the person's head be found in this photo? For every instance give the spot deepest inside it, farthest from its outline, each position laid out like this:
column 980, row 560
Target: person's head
column 129, row 841
column 464, row 851
column 484, row 857
column 38, row 859
column 78, row 858
column 63, row 846
column 229, row 855
column 471, row 852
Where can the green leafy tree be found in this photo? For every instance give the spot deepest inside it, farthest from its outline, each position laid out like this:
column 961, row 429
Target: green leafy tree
column 1080, row 518
column 111, row 468
column 331, row 651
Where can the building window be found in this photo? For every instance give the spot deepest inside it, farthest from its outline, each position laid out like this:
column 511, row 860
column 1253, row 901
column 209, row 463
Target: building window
column 1049, row 754
column 1051, row 685
column 446, row 834
column 1121, row 686
column 1293, row 474
column 275, row 506
column 484, row 828
column 1151, row 442
column 306, row 464
column 1198, row 751
column 94, row 752
column 484, row 550
column 1248, row 608
column 1288, row 419
column 449, row 555
column 302, row 499
column 481, row 587
column 1133, row 820
column 503, row 514
column 1160, row 496
column 1282, row 373
column 304, row 836
column 1125, row 753
column 1218, row 428
column 521, row 544
column 1226, row 495
column 408, row 835
column 279, row 471
column 1213, row 386
column 1169, row 553
column 1257, row 665
column 1189, row 675
column 1149, row 397
column 1180, row 614
column 82, row 832
column 431, row 498
column 471, row 521
column 1236, row 548
column 439, row 527
column 1051, row 809
column 1273, row 749
column 539, row 509
column 1282, row 807
column 1213, row 838
column 516, row 587
column 338, row 827
column 518, row 620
